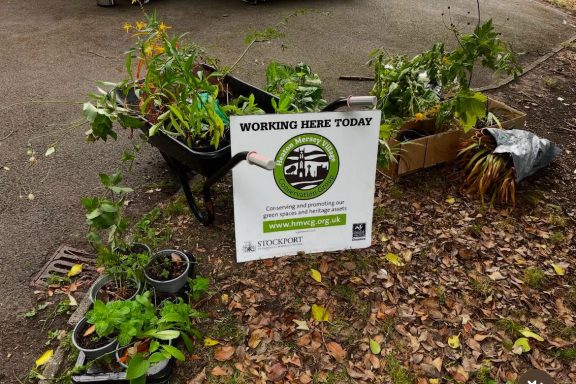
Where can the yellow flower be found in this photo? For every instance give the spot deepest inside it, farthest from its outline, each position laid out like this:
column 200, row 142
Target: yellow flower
column 446, row 60
column 148, row 50
column 127, row 27
column 140, row 25
column 419, row 116
column 163, row 27
column 158, row 49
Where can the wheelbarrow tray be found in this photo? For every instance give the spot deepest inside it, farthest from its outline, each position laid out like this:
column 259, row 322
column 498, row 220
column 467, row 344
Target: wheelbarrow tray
column 205, row 161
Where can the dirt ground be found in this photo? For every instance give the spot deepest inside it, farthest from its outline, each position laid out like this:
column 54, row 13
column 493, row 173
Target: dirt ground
column 467, row 271
column 51, row 54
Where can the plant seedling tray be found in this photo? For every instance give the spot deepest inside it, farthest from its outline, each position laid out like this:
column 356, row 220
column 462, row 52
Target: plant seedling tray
column 159, row 373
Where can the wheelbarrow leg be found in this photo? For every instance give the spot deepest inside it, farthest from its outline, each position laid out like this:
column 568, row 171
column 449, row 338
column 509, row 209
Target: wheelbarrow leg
column 181, row 172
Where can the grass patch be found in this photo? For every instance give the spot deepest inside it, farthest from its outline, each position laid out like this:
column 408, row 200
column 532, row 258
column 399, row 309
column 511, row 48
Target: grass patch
column 483, row 375
column 534, row 278
column 571, row 297
column 395, row 192
column 558, row 329
column 398, row 374
column 557, row 221
column 482, row 286
column 512, row 328
column 176, row 207
column 440, row 294
column 228, row 329
column 567, row 354
column 345, row 292
column 475, row 230
column 332, row 377
column 557, row 238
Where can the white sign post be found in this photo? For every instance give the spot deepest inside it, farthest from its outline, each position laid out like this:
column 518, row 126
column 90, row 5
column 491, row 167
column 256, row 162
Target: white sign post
column 320, row 195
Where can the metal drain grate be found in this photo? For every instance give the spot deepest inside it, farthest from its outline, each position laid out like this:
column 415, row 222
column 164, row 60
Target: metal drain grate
column 61, row 262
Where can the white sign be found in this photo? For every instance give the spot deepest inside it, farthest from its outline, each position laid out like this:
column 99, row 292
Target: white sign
column 320, row 195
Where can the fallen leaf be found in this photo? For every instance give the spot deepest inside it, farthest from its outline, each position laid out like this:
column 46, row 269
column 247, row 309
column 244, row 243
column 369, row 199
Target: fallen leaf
column 394, row 259
column 76, row 269
column 209, row 342
column 454, row 341
column 521, row 345
column 461, row 375
column 224, row 352
column 336, row 351
column 72, row 300
column 316, row 275
column 256, row 337
column 450, row 200
column 319, row 313
column 224, row 298
column 46, row 356
column 301, row 325
column 50, row 151
column 199, row 378
column 176, row 258
column 219, row 371
column 437, row 363
column 528, row 333
column 560, row 271
column 496, row 276
column 89, row 331
column 375, row 347
column 277, row 372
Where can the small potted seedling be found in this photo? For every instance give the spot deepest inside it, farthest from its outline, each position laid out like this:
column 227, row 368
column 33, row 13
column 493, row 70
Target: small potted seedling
column 122, row 280
column 168, row 271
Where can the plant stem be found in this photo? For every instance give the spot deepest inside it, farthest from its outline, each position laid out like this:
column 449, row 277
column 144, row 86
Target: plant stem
column 241, row 56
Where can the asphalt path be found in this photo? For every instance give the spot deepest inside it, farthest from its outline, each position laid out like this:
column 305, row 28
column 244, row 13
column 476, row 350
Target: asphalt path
column 55, row 50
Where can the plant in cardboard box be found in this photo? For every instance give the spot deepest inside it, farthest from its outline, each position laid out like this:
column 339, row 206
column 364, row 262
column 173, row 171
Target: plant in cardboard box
column 430, row 93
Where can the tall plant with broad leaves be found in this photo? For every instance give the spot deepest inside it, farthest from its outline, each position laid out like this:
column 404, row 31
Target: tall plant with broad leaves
column 298, row 88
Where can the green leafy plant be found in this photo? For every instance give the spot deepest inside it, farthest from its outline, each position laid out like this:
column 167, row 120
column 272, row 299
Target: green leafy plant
column 298, row 88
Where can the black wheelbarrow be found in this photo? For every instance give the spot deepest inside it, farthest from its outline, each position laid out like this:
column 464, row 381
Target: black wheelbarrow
column 215, row 164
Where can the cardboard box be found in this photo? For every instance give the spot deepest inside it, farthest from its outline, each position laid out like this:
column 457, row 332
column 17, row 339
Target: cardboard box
column 433, row 149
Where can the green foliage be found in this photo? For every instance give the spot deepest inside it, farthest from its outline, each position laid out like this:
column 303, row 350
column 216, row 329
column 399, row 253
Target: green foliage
column 405, row 87
column 198, row 286
column 398, row 374
column 243, row 106
column 298, row 88
column 512, row 328
column 467, row 106
column 534, row 277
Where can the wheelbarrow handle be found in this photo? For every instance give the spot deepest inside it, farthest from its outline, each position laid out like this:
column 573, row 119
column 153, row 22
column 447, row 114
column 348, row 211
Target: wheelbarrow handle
column 260, row 160
column 351, row 101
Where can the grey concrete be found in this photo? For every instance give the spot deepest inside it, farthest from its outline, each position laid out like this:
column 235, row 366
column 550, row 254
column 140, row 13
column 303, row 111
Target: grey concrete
column 56, row 49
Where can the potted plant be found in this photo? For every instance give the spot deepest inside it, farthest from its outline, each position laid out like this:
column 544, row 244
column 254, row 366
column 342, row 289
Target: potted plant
column 92, row 345
column 122, row 262
column 427, row 104
column 168, row 270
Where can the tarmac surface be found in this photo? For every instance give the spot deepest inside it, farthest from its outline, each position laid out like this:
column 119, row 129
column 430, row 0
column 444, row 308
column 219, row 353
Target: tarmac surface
column 55, row 50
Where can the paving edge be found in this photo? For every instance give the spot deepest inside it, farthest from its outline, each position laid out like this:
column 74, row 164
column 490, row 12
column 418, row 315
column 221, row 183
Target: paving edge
column 51, row 369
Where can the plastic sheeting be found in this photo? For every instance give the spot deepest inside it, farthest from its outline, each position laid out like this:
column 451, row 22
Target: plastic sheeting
column 529, row 152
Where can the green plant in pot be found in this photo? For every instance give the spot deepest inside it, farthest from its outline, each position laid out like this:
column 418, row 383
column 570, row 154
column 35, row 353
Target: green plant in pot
column 123, row 263
column 168, row 270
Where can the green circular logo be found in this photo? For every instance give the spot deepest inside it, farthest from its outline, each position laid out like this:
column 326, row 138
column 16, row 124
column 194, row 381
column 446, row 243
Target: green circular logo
column 306, row 166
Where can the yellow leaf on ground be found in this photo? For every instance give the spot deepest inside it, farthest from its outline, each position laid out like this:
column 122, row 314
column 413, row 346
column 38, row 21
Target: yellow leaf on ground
column 450, row 200
column 454, row 341
column 528, row 333
column 316, row 275
column 46, row 356
column 375, row 347
column 560, row 271
column 521, row 345
column 394, row 259
column 434, row 381
column 319, row 313
column 209, row 342
column 75, row 270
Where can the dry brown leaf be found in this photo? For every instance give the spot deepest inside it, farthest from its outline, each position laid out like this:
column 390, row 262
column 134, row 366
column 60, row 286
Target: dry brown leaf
column 199, row 378
column 336, row 351
column 176, row 258
column 89, row 331
column 224, row 352
column 219, row 371
column 304, row 340
column 461, row 375
column 256, row 337
column 437, row 363
column 277, row 372
column 305, row 378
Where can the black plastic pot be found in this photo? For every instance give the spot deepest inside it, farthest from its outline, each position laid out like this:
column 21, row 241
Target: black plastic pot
column 176, row 284
column 91, row 354
column 105, row 279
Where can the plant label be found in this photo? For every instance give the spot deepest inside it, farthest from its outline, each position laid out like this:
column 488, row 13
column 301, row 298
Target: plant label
column 319, row 197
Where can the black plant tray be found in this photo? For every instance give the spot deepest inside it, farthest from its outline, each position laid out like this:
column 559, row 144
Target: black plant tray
column 159, row 373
